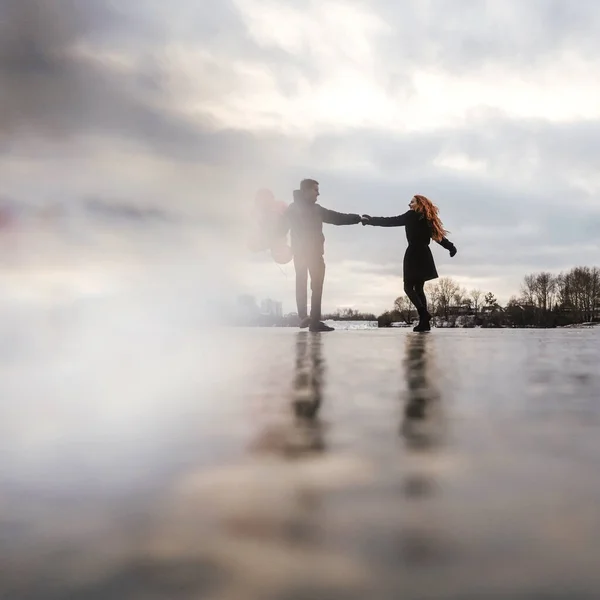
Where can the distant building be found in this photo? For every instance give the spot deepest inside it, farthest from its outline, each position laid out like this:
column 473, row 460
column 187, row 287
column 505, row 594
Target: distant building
column 486, row 309
column 246, row 309
column 271, row 308
column 463, row 309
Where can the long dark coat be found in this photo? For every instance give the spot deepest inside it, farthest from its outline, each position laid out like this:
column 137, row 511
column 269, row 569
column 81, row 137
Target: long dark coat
column 418, row 261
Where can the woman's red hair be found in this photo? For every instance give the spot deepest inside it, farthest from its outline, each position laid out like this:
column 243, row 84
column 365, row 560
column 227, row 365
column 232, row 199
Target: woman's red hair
column 430, row 211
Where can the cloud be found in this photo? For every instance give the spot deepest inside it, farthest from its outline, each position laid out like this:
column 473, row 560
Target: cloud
column 67, row 71
column 471, row 35
column 487, row 108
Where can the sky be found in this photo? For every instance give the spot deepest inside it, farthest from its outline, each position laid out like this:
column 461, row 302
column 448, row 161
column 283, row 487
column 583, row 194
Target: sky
column 491, row 109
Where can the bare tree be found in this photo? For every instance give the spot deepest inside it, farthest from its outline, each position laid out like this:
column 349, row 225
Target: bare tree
column 433, row 297
column 404, row 308
column 446, row 289
column 461, row 299
column 578, row 292
column 475, row 296
column 539, row 290
column 528, row 288
column 545, row 289
column 595, row 292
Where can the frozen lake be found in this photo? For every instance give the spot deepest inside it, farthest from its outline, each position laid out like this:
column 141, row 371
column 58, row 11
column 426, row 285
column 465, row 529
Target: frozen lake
column 278, row 464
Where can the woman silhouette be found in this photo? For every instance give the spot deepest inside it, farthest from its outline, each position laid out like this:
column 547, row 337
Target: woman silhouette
column 422, row 225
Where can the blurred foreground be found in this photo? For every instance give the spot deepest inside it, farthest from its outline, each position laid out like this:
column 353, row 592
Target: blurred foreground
column 277, row 464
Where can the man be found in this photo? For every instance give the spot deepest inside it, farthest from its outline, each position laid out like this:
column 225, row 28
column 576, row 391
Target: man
column 305, row 218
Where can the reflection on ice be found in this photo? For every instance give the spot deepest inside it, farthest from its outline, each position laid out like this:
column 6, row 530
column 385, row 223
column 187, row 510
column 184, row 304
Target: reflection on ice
column 143, row 453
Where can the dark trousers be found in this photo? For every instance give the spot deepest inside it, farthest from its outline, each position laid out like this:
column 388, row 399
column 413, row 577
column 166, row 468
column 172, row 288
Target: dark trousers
column 315, row 266
column 416, row 294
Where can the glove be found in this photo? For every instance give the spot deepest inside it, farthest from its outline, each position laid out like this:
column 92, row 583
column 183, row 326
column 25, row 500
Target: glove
column 365, row 219
column 453, row 251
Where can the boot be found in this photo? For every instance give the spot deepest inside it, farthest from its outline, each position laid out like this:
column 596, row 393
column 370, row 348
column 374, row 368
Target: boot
column 304, row 323
column 320, row 327
column 424, row 321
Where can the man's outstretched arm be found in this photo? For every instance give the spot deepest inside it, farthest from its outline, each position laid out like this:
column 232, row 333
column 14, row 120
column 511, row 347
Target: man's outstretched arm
column 336, row 218
column 397, row 221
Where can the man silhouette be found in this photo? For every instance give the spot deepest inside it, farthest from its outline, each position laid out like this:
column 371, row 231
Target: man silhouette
column 305, row 218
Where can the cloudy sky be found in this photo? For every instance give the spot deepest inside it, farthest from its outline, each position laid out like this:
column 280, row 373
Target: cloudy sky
column 492, row 109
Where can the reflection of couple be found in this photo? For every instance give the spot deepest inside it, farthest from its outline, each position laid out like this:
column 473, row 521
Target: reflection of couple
column 304, row 434
column 305, row 218
column 420, row 422
column 422, row 401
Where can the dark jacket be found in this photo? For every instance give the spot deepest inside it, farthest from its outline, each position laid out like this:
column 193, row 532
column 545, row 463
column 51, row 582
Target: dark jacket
column 418, row 261
column 305, row 221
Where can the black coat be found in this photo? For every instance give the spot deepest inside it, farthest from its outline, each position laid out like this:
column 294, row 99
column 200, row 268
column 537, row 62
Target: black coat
column 305, row 221
column 418, row 260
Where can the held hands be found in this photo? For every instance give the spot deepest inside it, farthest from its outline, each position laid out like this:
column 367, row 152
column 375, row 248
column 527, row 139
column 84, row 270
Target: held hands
column 366, row 220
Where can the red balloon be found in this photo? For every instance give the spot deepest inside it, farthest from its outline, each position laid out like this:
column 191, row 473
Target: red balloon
column 281, row 253
column 266, row 235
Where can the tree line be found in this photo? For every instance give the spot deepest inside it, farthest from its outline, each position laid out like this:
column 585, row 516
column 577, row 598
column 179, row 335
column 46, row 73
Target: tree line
column 349, row 314
column 545, row 300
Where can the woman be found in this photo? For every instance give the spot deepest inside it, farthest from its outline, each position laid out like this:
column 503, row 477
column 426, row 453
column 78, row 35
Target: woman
column 422, row 224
